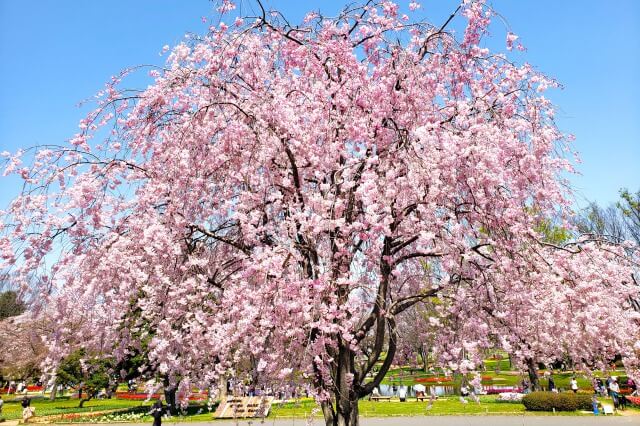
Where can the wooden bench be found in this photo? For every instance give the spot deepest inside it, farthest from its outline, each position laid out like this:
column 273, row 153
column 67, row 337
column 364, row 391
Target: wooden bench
column 380, row 398
column 424, row 397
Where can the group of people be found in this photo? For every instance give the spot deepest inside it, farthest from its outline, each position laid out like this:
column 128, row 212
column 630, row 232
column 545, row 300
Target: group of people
column 20, row 387
column 611, row 387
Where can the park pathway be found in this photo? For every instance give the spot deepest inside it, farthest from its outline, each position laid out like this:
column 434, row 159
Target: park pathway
column 433, row 421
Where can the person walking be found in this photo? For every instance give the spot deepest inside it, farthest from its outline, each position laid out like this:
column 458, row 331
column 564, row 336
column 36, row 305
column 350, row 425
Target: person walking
column 552, row 384
column 574, row 384
column 614, row 392
column 608, row 384
column 27, row 411
column 156, row 412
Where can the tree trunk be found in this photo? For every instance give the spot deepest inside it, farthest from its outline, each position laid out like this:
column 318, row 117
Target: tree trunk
column 423, row 354
column 222, row 388
column 82, row 401
column 533, row 374
column 54, row 391
column 346, row 413
column 343, row 410
column 170, row 396
column 343, row 413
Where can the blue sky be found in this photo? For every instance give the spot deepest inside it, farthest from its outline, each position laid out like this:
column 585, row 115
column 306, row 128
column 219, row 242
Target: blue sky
column 54, row 54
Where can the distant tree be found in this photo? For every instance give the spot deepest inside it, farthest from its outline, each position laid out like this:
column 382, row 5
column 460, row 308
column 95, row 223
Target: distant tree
column 21, row 347
column 616, row 222
column 629, row 207
column 602, row 222
column 87, row 374
column 10, row 305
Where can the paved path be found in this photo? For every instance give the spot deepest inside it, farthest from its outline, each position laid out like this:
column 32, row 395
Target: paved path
column 435, row 421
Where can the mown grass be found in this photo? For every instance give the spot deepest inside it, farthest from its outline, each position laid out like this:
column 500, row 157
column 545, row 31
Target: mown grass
column 306, row 408
column 65, row 405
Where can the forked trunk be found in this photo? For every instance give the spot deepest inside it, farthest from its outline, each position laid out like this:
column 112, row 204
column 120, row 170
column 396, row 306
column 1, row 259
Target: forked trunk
column 343, row 410
column 344, row 413
column 347, row 413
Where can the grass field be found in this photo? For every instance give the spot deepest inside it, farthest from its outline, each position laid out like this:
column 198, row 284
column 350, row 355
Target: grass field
column 65, row 405
column 305, row 408
column 135, row 410
column 299, row 410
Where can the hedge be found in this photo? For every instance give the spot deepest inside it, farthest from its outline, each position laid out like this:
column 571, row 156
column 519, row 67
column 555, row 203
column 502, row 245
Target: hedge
column 547, row 401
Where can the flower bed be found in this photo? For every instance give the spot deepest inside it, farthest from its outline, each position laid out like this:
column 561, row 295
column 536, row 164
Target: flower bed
column 510, row 397
column 144, row 396
column 136, row 396
column 502, row 389
column 434, row 379
column 635, row 400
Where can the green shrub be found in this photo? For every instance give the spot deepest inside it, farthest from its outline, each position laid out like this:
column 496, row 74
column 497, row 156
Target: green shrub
column 583, row 401
column 547, row 401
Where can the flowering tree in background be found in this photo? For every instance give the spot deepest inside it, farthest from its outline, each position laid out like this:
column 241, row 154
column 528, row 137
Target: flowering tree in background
column 283, row 194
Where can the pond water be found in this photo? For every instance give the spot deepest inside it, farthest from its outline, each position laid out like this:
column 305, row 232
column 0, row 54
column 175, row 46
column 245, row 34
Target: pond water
column 387, row 390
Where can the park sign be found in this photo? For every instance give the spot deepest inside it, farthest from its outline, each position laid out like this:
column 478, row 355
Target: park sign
column 244, row 407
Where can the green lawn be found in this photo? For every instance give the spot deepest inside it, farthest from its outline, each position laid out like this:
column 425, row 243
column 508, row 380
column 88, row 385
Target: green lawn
column 443, row 406
column 304, row 408
column 505, row 378
column 131, row 410
column 45, row 407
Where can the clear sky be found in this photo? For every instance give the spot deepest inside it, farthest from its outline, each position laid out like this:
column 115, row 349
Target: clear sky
column 54, row 54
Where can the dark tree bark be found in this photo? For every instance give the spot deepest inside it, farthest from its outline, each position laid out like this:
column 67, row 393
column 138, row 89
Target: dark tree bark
column 533, row 374
column 170, row 396
column 423, row 355
column 83, row 400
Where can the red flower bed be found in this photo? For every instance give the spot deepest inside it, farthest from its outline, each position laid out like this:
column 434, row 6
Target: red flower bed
column 445, row 379
column 136, row 396
column 32, row 388
column 433, row 379
column 144, row 396
column 635, row 400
